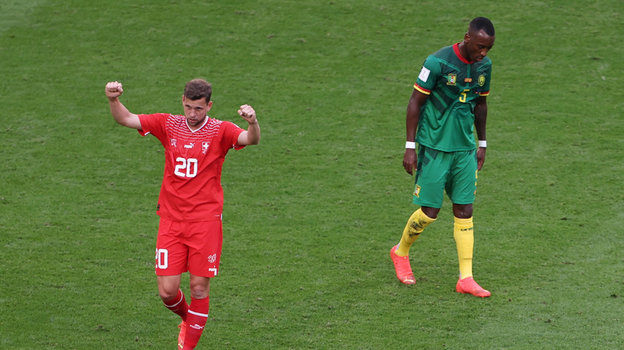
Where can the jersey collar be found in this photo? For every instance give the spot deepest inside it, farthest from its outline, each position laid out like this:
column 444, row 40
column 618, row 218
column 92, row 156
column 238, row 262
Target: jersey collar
column 459, row 55
column 201, row 127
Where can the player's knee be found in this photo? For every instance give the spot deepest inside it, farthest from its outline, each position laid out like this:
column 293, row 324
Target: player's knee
column 462, row 211
column 167, row 295
column 168, row 291
column 199, row 292
column 200, row 287
column 430, row 211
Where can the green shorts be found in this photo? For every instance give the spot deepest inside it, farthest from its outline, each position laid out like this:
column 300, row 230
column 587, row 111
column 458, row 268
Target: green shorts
column 455, row 172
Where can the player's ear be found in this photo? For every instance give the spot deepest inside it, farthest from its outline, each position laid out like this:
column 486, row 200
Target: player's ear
column 209, row 105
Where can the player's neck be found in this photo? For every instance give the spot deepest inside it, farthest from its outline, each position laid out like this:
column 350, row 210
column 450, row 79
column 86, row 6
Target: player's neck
column 462, row 51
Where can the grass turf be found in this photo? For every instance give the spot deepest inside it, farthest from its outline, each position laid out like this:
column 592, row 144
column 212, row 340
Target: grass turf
column 312, row 211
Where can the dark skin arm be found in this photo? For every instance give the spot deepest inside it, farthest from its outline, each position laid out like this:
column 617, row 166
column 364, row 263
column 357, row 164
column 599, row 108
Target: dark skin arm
column 480, row 113
column 417, row 100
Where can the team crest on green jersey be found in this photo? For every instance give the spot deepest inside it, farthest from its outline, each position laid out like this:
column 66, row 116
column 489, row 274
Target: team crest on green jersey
column 452, row 79
column 481, row 80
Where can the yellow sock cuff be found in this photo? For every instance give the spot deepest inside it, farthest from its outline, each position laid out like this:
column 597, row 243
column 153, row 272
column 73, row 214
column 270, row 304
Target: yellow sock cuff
column 424, row 216
column 461, row 222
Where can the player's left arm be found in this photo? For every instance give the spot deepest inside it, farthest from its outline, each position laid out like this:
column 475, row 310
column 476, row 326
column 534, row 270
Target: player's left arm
column 251, row 136
column 480, row 113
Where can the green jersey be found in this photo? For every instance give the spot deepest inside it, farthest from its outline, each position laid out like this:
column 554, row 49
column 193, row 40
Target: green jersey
column 453, row 84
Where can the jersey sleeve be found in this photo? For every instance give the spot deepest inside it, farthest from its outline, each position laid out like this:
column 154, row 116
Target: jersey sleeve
column 485, row 90
column 428, row 75
column 231, row 132
column 153, row 124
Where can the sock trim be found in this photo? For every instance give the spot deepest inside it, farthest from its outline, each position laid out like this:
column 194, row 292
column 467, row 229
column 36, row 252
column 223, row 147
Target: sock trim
column 179, row 301
column 463, row 221
column 197, row 313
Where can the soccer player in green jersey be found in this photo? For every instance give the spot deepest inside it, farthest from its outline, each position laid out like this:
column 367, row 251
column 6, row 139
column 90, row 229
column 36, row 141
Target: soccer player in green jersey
column 448, row 103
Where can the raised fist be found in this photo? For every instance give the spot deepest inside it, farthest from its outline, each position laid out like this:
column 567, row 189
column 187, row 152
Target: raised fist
column 114, row 89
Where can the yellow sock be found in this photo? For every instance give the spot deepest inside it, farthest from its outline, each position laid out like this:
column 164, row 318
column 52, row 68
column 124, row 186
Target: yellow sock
column 415, row 225
column 464, row 239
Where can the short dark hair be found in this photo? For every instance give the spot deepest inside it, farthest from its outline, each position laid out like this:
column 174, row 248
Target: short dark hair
column 198, row 88
column 482, row 23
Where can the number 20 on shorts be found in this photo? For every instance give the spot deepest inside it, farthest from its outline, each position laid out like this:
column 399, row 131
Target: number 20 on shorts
column 162, row 259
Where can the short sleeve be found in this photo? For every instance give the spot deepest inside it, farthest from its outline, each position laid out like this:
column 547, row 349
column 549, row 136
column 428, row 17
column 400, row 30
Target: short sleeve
column 153, row 124
column 428, row 75
column 485, row 90
column 231, row 132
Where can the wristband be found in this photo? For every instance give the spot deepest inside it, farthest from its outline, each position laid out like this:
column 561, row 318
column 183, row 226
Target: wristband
column 482, row 144
column 410, row 144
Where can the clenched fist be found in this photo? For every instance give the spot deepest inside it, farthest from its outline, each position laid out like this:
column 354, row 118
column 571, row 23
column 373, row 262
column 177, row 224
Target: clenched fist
column 248, row 113
column 114, row 89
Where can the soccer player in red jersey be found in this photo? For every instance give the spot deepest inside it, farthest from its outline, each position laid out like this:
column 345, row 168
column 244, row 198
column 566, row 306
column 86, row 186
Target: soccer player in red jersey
column 191, row 198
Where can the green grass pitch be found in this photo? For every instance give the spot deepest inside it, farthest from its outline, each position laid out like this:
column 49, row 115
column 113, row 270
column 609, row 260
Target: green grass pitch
column 310, row 213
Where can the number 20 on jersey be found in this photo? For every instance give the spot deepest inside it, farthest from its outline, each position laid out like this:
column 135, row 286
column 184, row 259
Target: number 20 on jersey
column 186, row 167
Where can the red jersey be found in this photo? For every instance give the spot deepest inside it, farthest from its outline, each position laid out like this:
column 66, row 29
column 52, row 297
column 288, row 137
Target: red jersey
column 191, row 188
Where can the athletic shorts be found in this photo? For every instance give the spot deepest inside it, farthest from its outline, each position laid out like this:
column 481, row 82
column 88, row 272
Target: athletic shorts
column 188, row 246
column 455, row 172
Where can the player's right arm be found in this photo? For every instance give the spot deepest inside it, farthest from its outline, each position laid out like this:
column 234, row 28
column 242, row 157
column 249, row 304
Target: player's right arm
column 422, row 89
column 417, row 100
column 120, row 113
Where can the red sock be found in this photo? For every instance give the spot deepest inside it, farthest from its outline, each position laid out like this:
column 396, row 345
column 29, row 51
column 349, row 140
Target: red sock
column 179, row 305
column 195, row 321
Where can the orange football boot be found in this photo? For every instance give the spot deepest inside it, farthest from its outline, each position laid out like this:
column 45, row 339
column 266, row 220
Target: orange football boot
column 182, row 335
column 402, row 267
column 469, row 286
